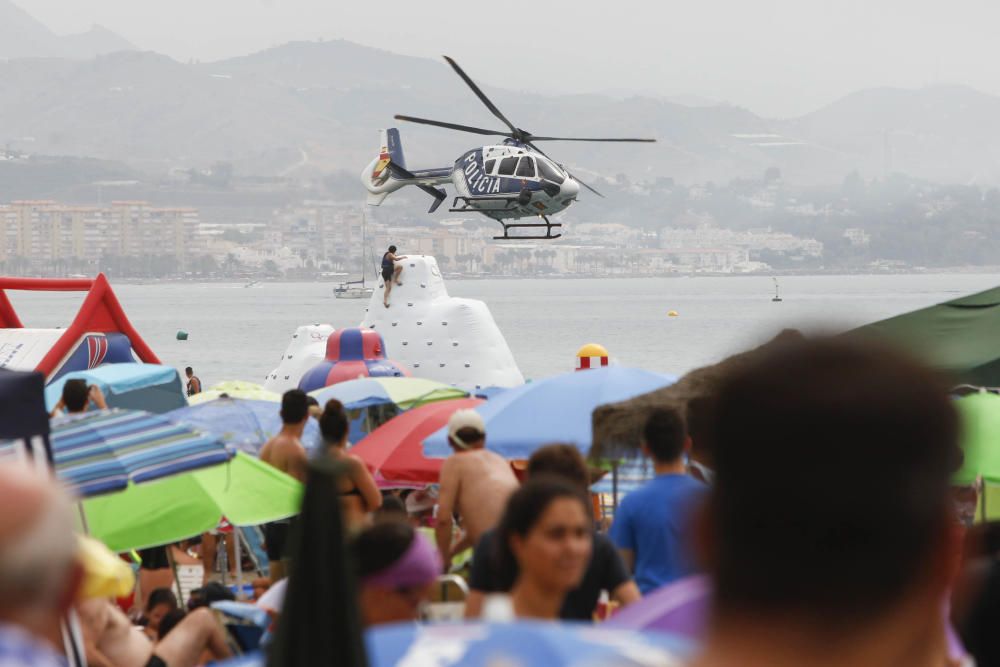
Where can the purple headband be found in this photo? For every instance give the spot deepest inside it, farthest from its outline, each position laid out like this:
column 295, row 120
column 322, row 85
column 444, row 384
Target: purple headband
column 419, row 565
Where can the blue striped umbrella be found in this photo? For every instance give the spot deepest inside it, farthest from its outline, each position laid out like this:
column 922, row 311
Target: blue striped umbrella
column 101, row 453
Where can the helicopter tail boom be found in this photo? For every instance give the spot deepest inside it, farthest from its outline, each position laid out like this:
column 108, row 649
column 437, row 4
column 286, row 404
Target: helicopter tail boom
column 388, row 173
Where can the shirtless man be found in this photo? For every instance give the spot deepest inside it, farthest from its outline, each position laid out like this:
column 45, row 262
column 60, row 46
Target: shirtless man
column 475, row 484
column 286, row 453
column 112, row 641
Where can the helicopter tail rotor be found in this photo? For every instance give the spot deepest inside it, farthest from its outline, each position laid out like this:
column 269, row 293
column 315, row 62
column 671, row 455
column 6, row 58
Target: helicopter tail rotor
column 388, row 173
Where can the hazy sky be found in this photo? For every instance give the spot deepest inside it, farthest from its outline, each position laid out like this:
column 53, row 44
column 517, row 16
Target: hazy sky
column 776, row 57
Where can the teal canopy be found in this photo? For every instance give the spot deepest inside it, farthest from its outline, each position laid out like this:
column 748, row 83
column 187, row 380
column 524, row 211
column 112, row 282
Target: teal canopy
column 149, row 387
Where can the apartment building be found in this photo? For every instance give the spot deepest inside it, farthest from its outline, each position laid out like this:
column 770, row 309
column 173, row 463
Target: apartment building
column 45, row 231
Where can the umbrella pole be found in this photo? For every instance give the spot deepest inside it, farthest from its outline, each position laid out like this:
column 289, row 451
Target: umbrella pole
column 173, row 571
column 238, row 556
column 982, row 499
column 614, row 487
column 83, row 518
column 222, row 557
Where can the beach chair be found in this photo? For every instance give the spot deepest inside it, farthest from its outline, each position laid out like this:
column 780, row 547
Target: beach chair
column 447, row 599
column 245, row 624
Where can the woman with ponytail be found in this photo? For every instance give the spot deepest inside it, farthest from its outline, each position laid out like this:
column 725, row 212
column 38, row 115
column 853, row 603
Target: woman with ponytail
column 358, row 492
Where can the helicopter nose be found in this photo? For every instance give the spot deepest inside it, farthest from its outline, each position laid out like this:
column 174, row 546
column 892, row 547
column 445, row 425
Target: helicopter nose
column 569, row 189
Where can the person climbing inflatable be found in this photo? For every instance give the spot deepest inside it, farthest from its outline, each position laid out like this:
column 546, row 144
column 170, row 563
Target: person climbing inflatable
column 390, row 272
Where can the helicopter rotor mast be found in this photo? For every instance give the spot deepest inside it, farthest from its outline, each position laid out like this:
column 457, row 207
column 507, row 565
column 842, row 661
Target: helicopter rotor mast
column 517, row 134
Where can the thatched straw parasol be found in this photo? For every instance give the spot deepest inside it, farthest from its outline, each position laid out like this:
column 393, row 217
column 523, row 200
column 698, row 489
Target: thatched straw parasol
column 617, row 426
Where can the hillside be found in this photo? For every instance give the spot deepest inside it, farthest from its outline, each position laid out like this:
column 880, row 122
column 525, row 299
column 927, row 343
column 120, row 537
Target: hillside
column 310, row 107
column 22, row 36
column 939, row 133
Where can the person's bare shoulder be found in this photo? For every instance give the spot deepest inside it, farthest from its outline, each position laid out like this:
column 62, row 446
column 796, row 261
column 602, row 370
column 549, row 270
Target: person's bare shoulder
column 451, row 468
column 495, row 459
column 354, row 463
column 265, row 451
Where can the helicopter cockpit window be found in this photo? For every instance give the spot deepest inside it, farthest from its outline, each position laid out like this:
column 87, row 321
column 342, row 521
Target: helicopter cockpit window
column 526, row 167
column 507, row 166
column 489, row 166
column 549, row 171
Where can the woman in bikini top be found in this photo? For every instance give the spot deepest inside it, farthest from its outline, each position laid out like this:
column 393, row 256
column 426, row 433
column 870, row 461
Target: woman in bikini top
column 358, row 492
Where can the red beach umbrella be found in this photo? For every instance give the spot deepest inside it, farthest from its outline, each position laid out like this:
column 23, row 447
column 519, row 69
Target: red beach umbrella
column 394, row 452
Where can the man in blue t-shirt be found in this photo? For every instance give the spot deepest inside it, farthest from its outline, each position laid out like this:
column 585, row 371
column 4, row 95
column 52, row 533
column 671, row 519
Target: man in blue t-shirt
column 651, row 526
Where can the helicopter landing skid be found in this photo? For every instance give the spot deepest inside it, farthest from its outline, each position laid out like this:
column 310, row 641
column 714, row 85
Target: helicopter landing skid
column 464, row 204
column 547, row 225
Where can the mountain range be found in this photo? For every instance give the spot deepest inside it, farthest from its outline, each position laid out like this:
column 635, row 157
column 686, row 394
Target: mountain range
column 23, row 36
column 307, row 108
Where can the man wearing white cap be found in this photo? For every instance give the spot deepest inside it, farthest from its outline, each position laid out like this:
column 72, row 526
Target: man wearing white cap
column 475, row 485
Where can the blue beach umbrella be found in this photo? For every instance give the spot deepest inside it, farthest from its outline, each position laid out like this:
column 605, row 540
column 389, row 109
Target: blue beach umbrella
column 523, row 643
column 101, row 452
column 556, row 409
column 242, row 423
column 526, row 643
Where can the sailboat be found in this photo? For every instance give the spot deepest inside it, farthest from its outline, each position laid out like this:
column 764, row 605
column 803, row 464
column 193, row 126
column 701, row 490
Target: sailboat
column 357, row 289
column 777, row 295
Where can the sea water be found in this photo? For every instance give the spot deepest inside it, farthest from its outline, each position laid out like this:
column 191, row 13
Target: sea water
column 240, row 333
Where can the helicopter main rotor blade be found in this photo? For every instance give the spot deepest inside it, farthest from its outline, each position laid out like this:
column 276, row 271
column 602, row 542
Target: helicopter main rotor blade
column 482, row 96
column 577, row 179
column 536, row 148
column 452, row 126
column 645, row 141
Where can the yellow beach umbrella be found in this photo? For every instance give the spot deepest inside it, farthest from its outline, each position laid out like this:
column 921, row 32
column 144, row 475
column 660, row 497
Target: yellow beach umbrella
column 105, row 575
column 235, row 389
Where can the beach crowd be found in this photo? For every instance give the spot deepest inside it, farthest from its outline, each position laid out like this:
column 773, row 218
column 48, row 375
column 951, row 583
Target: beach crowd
column 809, row 497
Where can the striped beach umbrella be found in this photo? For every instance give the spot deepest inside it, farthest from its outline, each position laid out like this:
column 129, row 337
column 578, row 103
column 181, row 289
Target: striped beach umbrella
column 100, row 453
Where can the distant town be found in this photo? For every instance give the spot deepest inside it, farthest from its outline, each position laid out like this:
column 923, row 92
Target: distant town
column 641, row 229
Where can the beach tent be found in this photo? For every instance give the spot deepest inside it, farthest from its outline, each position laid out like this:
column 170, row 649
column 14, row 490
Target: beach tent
column 99, row 334
column 961, row 336
column 149, row 387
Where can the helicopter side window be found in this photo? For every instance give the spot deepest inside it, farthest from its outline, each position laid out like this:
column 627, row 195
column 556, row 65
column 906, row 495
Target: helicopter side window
column 489, row 166
column 526, row 167
column 507, row 166
column 549, row 171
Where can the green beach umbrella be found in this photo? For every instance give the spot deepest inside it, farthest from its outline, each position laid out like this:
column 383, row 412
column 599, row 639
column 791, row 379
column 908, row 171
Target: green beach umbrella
column 980, row 414
column 405, row 392
column 245, row 490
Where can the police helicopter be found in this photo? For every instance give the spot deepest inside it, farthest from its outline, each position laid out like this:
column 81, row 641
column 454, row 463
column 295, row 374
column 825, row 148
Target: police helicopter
column 508, row 181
